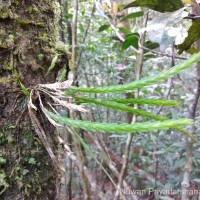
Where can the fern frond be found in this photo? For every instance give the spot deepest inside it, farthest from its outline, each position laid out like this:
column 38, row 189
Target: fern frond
column 119, row 106
column 156, row 102
column 142, row 82
column 120, row 128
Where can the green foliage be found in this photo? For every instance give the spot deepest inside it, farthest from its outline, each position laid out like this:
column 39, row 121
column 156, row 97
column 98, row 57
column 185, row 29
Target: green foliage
column 24, row 90
column 3, row 182
column 167, row 28
column 2, row 160
column 142, row 82
column 88, row 149
column 103, row 27
column 170, row 6
column 53, row 63
column 113, row 103
column 120, row 128
column 193, row 36
column 107, row 62
column 131, row 40
column 133, row 15
column 32, row 161
column 61, row 74
column 158, row 5
column 147, row 101
column 119, row 106
column 151, row 45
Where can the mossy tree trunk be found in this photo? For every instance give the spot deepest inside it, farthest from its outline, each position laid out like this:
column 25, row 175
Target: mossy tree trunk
column 29, row 40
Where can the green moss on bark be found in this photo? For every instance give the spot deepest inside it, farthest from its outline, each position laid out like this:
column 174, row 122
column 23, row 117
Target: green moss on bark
column 29, row 40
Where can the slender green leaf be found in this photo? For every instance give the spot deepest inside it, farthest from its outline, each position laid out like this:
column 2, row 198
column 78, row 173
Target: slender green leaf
column 120, row 128
column 142, row 82
column 103, row 27
column 111, row 104
column 2, row 160
column 87, row 148
column 24, row 90
column 124, row 30
column 61, row 75
column 133, row 15
column 193, row 36
column 188, row 134
column 148, row 56
column 151, row 45
column 158, row 5
column 147, row 101
column 122, row 107
column 131, row 40
column 53, row 63
column 179, row 163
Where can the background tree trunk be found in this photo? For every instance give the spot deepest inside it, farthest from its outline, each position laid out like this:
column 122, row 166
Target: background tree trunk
column 29, row 40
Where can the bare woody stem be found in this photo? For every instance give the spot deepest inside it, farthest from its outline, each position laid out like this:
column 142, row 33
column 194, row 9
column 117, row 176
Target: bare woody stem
column 138, row 70
column 84, row 178
column 74, row 35
column 192, row 113
column 85, row 34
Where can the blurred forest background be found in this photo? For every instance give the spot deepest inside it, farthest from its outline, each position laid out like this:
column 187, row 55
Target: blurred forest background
column 106, row 43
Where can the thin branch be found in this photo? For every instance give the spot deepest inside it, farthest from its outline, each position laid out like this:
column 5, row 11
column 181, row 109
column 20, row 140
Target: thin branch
column 121, row 38
column 170, row 81
column 105, row 155
column 196, row 99
column 112, row 26
column 74, row 35
column 192, row 113
column 85, row 35
column 84, row 178
column 138, row 70
column 189, row 143
column 62, row 34
column 68, row 23
column 162, row 54
column 83, row 175
column 85, row 172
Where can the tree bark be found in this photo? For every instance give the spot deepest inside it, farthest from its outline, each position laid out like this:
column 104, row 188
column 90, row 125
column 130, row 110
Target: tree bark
column 29, row 40
column 192, row 114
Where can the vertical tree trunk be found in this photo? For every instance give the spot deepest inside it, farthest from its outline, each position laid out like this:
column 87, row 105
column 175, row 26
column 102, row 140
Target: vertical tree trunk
column 29, row 40
column 192, row 114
